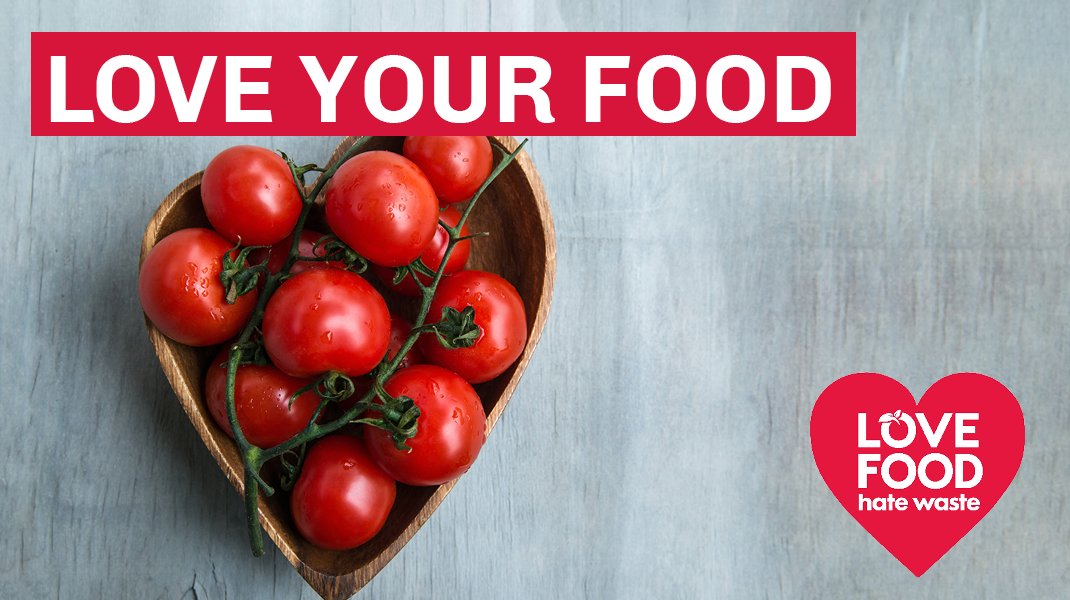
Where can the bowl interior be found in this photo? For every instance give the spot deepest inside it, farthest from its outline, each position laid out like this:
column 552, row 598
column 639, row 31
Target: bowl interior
column 520, row 248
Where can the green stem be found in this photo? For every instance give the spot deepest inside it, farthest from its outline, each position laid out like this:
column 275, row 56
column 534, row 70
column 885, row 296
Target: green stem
column 252, row 518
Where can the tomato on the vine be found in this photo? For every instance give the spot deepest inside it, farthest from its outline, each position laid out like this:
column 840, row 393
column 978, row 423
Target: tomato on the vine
column 261, row 401
column 326, row 320
column 432, row 257
column 249, row 193
column 456, row 165
column 502, row 321
column 181, row 292
column 450, row 432
column 342, row 498
column 382, row 206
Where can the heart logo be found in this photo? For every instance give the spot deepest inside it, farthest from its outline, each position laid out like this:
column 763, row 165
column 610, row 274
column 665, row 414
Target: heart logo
column 917, row 477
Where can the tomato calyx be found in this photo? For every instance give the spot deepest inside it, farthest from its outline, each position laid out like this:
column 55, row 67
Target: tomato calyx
column 237, row 278
column 335, row 250
column 399, row 416
column 253, row 353
column 456, row 329
column 332, row 386
column 417, row 266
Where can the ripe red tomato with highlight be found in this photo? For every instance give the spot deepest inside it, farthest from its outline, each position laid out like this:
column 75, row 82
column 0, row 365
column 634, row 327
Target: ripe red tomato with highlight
column 432, row 257
column 261, row 400
column 249, row 193
column 305, row 246
column 456, row 165
column 450, row 432
column 181, row 293
column 383, row 207
column 326, row 320
column 342, row 498
column 501, row 319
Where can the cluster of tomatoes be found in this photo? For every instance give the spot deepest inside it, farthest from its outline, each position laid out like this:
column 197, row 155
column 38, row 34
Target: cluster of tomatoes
column 325, row 318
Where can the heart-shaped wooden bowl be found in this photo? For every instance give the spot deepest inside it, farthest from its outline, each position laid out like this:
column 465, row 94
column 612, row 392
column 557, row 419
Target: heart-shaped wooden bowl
column 521, row 248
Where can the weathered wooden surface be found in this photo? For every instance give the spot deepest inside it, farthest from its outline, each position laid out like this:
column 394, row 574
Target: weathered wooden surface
column 707, row 290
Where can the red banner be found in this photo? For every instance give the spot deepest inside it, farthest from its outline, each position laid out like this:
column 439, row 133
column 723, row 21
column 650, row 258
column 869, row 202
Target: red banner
column 443, row 83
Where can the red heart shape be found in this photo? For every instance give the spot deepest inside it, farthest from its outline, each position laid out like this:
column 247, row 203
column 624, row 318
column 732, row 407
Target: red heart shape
column 917, row 514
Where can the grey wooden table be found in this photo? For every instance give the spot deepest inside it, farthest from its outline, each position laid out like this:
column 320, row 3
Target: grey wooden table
column 708, row 289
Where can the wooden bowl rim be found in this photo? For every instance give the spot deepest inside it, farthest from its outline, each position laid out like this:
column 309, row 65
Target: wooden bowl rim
column 345, row 585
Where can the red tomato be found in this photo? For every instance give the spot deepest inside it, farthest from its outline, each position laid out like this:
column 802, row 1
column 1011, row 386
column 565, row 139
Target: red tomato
column 399, row 332
column 455, row 165
column 383, row 207
column 281, row 250
column 261, row 399
column 326, row 320
column 432, row 257
column 249, row 193
column 501, row 319
column 449, row 434
column 341, row 499
column 181, row 293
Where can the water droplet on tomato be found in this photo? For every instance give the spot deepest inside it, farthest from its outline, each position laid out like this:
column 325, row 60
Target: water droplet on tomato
column 348, row 464
column 326, row 337
column 458, row 416
column 314, row 306
column 464, row 160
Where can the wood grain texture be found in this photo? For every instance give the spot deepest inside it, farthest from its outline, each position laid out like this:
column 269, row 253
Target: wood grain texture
column 707, row 290
column 522, row 250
